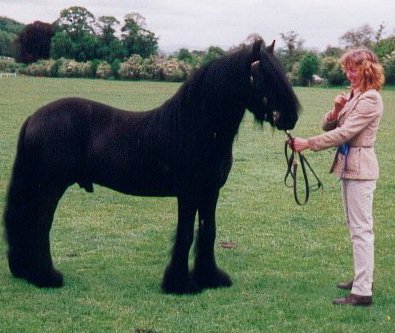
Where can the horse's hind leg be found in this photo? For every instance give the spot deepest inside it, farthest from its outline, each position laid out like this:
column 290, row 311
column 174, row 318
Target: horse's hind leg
column 176, row 279
column 206, row 273
column 28, row 222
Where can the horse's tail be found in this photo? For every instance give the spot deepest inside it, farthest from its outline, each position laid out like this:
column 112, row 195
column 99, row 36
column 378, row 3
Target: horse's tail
column 27, row 219
column 19, row 189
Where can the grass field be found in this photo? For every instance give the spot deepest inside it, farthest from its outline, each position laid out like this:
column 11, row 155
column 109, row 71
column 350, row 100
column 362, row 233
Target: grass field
column 113, row 248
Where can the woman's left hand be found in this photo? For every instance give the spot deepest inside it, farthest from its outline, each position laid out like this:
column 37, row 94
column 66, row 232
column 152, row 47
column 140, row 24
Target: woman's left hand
column 299, row 144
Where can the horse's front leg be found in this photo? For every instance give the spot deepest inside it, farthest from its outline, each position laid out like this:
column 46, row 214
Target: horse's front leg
column 206, row 273
column 176, row 279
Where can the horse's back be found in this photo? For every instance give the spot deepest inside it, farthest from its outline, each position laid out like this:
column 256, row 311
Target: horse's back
column 88, row 142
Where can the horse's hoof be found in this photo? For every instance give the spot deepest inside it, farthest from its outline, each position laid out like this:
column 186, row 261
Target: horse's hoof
column 179, row 284
column 185, row 289
column 53, row 279
column 23, row 268
column 215, row 278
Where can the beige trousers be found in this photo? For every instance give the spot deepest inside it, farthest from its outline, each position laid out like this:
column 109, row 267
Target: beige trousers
column 358, row 205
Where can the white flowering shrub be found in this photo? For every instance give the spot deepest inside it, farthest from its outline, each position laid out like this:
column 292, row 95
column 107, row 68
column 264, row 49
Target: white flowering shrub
column 104, row 70
column 72, row 68
column 130, row 69
column 39, row 68
column 133, row 68
column 149, row 69
column 9, row 65
column 174, row 70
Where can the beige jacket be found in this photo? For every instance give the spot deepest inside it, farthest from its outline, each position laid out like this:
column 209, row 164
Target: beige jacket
column 357, row 125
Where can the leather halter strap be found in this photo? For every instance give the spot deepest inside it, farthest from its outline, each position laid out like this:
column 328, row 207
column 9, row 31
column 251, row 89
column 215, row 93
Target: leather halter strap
column 292, row 167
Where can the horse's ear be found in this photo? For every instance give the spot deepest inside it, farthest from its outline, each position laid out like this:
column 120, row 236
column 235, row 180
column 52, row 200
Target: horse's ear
column 256, row 49
column 270, row 48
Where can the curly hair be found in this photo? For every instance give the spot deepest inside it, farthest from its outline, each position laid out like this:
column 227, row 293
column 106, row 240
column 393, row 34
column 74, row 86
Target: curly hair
column 367, row 65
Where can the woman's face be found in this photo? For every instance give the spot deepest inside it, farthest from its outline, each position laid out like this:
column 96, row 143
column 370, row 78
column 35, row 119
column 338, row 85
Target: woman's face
column 353, row 76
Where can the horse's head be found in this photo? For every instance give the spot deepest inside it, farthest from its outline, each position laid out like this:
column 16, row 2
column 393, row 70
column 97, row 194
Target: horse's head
column 272, row 98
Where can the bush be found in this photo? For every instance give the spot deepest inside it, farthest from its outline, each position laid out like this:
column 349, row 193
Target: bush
column 332, row 71
column 130, row 69
column 154, row 68
column 72, row 68
column 150, row 69
column 174, row 70
column 9, row 65
column 40, row 68
column 389, row 68
column 104, row 70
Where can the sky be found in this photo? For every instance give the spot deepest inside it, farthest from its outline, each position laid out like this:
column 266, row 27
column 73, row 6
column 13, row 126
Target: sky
column 225, row 23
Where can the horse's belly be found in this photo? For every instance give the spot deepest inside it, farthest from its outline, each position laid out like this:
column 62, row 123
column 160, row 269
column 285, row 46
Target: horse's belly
column 138, row 182
column 146, row 189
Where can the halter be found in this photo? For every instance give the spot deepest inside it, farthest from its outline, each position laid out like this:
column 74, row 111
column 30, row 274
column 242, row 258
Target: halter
column 292, row 167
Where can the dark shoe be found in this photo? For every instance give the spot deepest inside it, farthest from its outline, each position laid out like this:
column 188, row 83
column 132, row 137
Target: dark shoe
column 353, row 299
column 345, row 286
column 348, row 285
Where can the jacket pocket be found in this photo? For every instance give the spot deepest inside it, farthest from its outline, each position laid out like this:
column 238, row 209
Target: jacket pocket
column 353, row 162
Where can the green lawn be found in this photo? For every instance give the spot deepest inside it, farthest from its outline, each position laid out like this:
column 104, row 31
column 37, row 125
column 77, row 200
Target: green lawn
column 113, row 248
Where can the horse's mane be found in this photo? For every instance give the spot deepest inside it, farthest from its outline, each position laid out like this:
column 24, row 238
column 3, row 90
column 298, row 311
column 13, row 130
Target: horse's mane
column 216, row 93
column 218, row 80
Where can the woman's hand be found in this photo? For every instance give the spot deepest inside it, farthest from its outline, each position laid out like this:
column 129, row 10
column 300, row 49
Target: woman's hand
column 299, row 144
column 340, row 101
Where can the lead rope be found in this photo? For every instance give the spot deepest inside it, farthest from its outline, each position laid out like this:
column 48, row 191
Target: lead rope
column 292, row 167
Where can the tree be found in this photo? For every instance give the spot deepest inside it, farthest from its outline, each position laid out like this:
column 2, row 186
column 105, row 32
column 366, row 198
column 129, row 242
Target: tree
column 111, row 51
column 6, row 42
column 76, row 21
column 110, row 48
column 389, row 68
column 86, row 48
column 136, row 38
column 362, row 36
column 379, row 32
column 107, row 30
column 9, row 31
column 332, row 51
column 293, row 52
column 308, row 66
column 62, row 46
column 384, row 47
column 213, row 53
column 34, row 42
column 75, row 29
column 10, row 26
column 186, row 56
column 291, row 40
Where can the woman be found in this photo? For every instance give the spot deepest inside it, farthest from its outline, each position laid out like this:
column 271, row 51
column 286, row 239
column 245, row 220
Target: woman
column 351, row 126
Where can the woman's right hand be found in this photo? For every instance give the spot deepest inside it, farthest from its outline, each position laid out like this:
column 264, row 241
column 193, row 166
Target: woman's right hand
column 340, row 101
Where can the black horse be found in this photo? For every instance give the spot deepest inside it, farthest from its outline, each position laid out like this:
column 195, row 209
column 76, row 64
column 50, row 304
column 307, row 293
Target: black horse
column 182, row 149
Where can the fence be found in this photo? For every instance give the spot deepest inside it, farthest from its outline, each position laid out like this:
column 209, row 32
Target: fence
column 7, row 75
